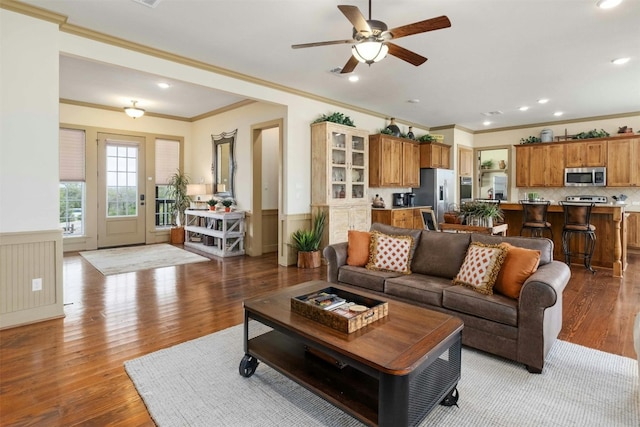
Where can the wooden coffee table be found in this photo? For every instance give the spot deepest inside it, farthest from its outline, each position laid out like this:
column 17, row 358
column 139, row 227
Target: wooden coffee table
column 392, row 372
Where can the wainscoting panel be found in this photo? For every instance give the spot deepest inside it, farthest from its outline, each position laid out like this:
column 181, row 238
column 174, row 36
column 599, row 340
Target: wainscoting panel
column 24, row 257
column 290, row 224
column 269, row 231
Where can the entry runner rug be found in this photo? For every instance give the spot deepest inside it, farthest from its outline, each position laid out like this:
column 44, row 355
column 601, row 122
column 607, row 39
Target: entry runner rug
column 197, row 384
column 134, row 258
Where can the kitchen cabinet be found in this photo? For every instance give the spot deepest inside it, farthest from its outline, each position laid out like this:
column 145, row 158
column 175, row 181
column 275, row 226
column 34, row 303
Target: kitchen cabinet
column 585, row 154
column 465, row 161
column 401, row 217
column 393, row 162
column 540, row 165
column 623, row 166
column 633, row 230
column 435, row 155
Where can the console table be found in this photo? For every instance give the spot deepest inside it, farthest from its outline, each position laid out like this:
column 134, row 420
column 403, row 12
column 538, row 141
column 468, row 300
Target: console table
column 217, row 233
column 459, row 228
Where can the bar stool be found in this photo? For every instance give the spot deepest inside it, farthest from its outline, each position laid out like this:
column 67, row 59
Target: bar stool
column 534, row 218
column 577, row 217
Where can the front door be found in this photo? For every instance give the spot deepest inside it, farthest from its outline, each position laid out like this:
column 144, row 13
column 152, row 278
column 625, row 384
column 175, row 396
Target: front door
column 121, row 183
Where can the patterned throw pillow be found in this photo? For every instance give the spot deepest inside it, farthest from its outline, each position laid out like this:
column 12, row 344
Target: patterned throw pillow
column 390, row 253
column 481, row 266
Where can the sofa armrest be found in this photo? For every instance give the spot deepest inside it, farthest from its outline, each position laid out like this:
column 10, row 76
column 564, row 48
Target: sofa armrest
column 540, row 313
column 336, row 256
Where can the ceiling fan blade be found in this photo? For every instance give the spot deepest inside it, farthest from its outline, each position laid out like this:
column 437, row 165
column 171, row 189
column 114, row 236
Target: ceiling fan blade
column 299, row 46
column 356, row 18
column 421, row 27
column 406, row 55
column 350, row 65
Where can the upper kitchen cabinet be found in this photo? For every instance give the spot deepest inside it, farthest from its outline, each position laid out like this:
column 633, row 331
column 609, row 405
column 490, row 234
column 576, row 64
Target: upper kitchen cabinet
column 339, row 164
column 465, row 161
column 540, row 165
column 623, row 162
column 393, row 162
column 585, row 154
column 435, row 155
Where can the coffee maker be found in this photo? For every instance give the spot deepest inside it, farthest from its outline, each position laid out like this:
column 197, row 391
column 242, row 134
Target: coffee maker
column 410, row 199
column 399, row 199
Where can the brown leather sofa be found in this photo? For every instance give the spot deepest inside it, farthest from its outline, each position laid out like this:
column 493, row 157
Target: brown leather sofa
column 522, row 330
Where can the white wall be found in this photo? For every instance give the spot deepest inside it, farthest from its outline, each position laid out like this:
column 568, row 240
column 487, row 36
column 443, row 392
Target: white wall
column 28, row 124
column 270, row 153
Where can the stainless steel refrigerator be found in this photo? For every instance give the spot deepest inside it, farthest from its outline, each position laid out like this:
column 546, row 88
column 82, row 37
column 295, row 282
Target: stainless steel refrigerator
column 437, row 189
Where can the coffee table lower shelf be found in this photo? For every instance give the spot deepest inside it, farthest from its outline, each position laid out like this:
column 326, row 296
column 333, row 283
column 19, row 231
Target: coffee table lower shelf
column 357, row 388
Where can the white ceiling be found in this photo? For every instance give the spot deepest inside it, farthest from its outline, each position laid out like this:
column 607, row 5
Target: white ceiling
column 498, row 55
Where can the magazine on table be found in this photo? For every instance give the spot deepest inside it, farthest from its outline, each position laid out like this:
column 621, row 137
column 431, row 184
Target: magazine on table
column 325, row 301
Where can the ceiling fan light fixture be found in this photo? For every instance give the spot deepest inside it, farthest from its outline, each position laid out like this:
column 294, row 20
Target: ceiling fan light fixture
column 133, row 111
column 369, row 52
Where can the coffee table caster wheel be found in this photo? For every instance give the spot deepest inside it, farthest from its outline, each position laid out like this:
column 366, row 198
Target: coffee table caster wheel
column 248, row 365
column 451, row 398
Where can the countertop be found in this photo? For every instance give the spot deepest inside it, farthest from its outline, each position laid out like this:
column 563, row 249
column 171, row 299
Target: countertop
column 399, row 207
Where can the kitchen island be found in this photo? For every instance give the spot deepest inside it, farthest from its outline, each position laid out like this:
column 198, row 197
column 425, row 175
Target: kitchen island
column 609, row 220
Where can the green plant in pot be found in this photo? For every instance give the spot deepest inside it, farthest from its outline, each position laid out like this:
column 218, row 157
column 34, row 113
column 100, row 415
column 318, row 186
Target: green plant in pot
column 177, row 190
column 487, row 164
column 307, row 242
column 227, row 203
column 212, row 204
column 482, row 214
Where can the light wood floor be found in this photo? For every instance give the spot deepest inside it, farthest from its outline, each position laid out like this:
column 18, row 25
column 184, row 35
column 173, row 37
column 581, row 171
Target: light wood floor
column 70, row 371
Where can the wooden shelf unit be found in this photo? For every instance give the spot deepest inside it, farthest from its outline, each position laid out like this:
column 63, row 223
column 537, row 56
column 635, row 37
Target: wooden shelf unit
column 215, row 232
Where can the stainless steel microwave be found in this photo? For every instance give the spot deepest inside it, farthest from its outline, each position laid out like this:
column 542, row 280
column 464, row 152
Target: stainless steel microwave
column 585, row 177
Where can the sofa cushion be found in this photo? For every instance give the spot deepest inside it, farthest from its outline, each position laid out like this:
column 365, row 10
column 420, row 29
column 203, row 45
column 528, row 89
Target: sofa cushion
column 496, row 308
column 481, row 266
column 368, row 279
column 544, row 245
column 398, row 231
column 440, row 254
column 518, row 265
column 417, row 288
column 358, row 247
column 390, row 253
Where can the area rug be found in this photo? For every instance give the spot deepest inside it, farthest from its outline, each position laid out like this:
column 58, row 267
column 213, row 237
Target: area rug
column 135, row 258
column 197, row 384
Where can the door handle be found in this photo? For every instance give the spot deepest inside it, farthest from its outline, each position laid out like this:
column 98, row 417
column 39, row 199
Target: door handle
column 142, row 199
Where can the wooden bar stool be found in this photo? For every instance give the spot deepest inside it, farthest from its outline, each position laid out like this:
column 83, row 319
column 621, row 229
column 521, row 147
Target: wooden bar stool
column 534, row 218
column 577, row 217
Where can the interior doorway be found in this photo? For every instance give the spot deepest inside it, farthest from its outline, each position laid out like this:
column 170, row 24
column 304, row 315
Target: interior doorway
column 492, row 173
column 121, row 185
column 267, row 188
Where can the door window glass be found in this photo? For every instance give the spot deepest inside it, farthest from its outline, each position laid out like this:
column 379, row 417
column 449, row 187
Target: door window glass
column 122, row 180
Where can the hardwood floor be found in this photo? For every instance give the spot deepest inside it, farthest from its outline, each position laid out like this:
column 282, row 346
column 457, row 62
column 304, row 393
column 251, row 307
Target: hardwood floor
column 70, row 371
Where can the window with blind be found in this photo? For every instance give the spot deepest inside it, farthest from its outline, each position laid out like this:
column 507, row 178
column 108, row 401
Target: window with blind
column 72, row 181
column 167, row 163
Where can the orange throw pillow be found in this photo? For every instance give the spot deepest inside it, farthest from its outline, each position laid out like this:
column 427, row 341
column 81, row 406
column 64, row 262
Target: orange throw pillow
column 519, row 264
column 358, row 248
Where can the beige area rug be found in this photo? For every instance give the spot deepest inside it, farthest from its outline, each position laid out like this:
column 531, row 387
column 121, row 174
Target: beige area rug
column 197, row 383
column 135, row 258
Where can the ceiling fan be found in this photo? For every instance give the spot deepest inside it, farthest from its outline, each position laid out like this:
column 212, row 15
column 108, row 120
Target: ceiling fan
column 371, row 38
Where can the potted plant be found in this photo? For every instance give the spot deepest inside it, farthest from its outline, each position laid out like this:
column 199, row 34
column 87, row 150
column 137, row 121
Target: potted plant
column 178, row 192
column 227, row 204
column 482, row 214
column 487, row 164
column 307, row 242
column 212, row 204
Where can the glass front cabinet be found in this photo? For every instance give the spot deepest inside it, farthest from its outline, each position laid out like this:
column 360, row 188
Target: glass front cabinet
column 339, row 164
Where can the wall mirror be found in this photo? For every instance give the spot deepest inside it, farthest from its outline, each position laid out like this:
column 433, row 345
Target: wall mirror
column 224, row 164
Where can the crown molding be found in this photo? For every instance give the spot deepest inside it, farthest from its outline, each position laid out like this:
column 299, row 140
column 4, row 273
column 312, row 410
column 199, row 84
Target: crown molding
column 33, row 11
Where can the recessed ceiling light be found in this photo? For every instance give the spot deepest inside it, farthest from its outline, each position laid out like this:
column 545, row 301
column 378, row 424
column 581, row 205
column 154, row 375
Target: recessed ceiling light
column 620, row 61
column 354, row 79
column 486, row 123
column 413, row 101
column 523, row 108
column 558, row 113
column 543, row 101
column 164, row 85
column 607, row 4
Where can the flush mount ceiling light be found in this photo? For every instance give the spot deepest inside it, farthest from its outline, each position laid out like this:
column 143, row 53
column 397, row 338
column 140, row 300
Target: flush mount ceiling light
column 133, row 111
column 620, row 61
column 558, row 113
column 523, row 108
column 543, row 101
column 353, row 78
column 608, row 4
column 369, row 51
column 164, row 85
